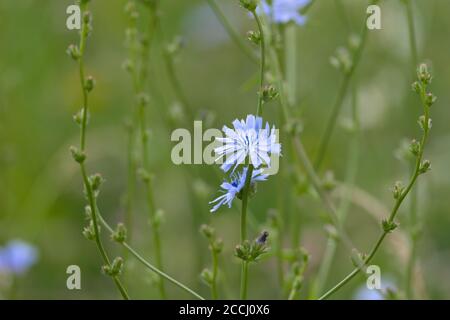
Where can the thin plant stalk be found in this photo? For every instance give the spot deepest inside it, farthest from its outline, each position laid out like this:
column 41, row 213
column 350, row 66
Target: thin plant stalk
column 139, row 75
column 398, row 202
column 352, row 168
column 83, row 132
column 246, row 189
column 214, row 294
column 323, row 144
column 231, row 32
column 414, row 235
column 148, row 265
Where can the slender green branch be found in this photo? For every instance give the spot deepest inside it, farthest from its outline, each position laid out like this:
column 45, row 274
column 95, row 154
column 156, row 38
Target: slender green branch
column 148, row 264
column 248, row 178
column 231, row 32
column 323, row 145
column 245, row 195
column 352, row 167
column 303, row 157
column 412, row 32
column 415, row 197
column 139, row 70
column 244, row 280
column 214, row 294
column 175, row 82
column 420, row 167
column 81, row 154
column 262, row 63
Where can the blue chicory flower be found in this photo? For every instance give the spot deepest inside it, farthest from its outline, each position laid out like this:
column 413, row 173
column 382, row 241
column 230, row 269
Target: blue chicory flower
column 232, row 188
column 17, row 257
column 250, row 140
column 284, row 11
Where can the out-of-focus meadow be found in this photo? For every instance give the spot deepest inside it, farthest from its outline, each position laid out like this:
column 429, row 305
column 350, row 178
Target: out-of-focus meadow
column 41, row 199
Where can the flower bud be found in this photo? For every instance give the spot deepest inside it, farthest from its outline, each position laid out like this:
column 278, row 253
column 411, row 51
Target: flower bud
column 207, row 231
column 354, row 41
column 120, row 235
column 414, row 147
column 128, row 65
column 73, row 52
column 423, row 124
column 250, row 5
column 217, row 246
column 87, row 17
column 424, row 166
column 416, row 87
column 430, row 99
column 158, row 219
column 96, row 180
column 388, row 226
column 143, row 99
column 254, row 37
column 423, row 75
column 397, row 191
column 89, row 232
column 207, row 276
column 78, row 155
column 115, row 269
column 269, row 93
column 89, row 84
column 175, row 46
column 88, row 212
column 144, row 175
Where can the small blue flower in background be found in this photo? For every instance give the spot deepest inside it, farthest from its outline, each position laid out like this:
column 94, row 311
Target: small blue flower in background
column 17, row 257
column 247, row 139
column 235, row 186
column 364, row 293
column 284, row 11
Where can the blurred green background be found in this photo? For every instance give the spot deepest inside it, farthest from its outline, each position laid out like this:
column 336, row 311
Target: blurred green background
column 41, row 198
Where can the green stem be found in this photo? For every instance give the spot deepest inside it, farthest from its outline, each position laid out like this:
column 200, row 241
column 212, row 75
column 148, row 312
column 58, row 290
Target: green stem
column 176, row 85
column 139, row 75
column 87, row 185
column 246, row 190
column 262, row 64
column 131, row 184
column 214, row 294
column 244, row 280
column 248, row 178
column 397, row 203
column 148, row 265
column 352, row 167
column 412, row 32
column 323, row 145
column 150, row 202
column 231, row 32
column 415, row 198
column 303, row 157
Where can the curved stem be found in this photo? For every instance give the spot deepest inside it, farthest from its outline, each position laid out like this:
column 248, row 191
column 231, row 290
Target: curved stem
column 323, row 145
column 412, row 33
column 263, row 63
column 87, row 185
column 214, row 294
column 352, row 168
column 176, row 85
column 397, row 203
column 148, row 265
column 303, row 157
column 139, row 75
column 415, row 198
column 231, row 32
